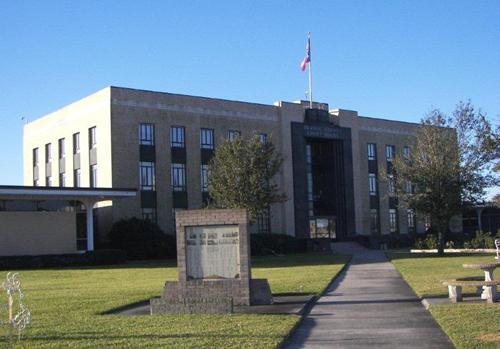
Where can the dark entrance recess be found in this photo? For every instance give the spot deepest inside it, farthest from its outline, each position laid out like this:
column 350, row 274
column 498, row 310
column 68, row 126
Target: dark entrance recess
column 323, row 183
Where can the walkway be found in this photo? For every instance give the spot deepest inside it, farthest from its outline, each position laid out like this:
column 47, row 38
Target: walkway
column 368, row 306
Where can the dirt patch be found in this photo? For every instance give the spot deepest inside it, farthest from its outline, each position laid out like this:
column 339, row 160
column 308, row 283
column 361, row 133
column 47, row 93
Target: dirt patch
column 489, row 337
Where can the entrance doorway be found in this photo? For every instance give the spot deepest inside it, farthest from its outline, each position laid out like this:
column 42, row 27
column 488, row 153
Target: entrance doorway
column 323, row 227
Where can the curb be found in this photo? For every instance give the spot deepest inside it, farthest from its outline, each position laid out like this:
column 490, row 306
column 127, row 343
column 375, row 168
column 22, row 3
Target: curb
column 311, row 303
column 425, row 303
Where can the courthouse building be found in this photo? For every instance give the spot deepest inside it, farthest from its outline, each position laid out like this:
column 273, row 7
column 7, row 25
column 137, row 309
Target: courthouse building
column 161, row 143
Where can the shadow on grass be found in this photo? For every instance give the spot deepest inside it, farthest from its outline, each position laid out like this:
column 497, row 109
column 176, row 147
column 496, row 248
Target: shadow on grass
column 121, row 308
column 96, row 336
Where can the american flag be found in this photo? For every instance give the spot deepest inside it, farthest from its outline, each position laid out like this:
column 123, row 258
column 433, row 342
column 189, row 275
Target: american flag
column 307, row 59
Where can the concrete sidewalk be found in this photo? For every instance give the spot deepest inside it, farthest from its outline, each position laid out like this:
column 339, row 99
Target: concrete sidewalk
column 368, row 306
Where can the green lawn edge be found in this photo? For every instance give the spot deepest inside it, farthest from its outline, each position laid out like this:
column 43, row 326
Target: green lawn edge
column 469, row 326
column 66, row 304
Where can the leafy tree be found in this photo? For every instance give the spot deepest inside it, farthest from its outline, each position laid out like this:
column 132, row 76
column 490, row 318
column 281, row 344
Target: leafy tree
column 450, row 163
column 242, row 173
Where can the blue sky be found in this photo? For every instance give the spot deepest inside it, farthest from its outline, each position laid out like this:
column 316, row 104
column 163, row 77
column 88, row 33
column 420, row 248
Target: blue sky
column 388, row 59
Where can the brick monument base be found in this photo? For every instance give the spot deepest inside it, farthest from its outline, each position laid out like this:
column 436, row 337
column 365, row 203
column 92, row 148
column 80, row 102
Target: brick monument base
column 213, row 261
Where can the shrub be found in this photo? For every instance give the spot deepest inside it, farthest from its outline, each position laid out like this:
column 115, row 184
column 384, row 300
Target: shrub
column 142, row 239
column 430, row 242
column 420, row 244
column 104, row 257
column 482, row 240
column 450, row 244
column 264, row 244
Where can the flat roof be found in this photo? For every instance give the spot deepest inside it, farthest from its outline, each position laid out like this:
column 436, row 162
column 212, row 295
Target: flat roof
column 12, row 192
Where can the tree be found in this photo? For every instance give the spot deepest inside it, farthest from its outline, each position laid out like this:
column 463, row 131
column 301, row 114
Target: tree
column 241, row 175
column 450, row 163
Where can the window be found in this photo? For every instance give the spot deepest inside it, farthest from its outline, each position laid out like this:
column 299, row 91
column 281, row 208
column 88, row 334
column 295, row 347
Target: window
column 427, row 222
column 179, row 177
column 233, row 134
column 393, row 220
column 408, row 187
column 264, row 221
column 48, row 181
column 177, row 137
column 310, row 192
column 391, row 184
column 76, row 143
column 411, row 219
column 207, row 138
column 406, row 152
column 62, row 150
column 93, row 176
column 389, row 152
column 372, row 184
column 48, row 153
column 147, row 175
column 77, row 178
column 372, row 151
column 308, row 154
column 262, row 137
column 92, row 137
column 62, row 179
column 204, row 178
column 35, row 157
column 374, row 221
column 146, row 134
column 149, row 214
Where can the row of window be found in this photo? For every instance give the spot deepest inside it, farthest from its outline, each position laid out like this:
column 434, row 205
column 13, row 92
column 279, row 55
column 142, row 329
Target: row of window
column 62, row 154
column 62, row 146
column 393, row 220
column 178, row 136
column 147, row 176
column 390, row 150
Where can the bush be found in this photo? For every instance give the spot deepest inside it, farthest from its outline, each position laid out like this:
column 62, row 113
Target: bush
column 104, row 257
column 142, row 239
column 265, row 244
column 430, row 242
column 482, row 240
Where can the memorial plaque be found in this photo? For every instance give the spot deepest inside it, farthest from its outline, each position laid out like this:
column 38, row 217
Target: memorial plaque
column 212, row 252
column 213, row 262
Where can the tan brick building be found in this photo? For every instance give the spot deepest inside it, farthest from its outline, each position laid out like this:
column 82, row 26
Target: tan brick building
column 160, row 144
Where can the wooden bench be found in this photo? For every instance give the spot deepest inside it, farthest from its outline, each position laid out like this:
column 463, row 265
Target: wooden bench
column 455, row 288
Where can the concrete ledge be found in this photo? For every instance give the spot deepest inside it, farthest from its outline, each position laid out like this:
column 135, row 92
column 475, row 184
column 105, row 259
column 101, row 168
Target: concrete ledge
column 457, row 250
column 191, row 306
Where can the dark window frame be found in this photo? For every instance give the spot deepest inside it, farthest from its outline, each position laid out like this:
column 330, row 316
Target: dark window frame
column 371, row 150
column 61, row 143
column 177, row 137
column 92, row 137
column 178, row 177
column 146, row 134
column 207, row 138
column 76, row 143
column 147, row 176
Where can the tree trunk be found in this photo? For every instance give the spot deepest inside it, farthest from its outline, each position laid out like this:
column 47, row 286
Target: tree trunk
column 441, row 237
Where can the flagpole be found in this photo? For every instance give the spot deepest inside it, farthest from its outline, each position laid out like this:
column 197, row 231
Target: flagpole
column 310, row 75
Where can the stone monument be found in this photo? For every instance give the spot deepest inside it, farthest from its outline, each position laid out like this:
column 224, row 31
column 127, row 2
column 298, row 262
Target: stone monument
column 213, row 262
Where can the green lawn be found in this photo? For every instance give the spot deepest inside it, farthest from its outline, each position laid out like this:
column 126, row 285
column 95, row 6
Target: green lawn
column 468, row 325
column 67, row 305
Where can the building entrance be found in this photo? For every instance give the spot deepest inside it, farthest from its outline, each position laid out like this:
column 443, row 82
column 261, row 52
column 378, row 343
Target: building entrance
column 323, row 227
